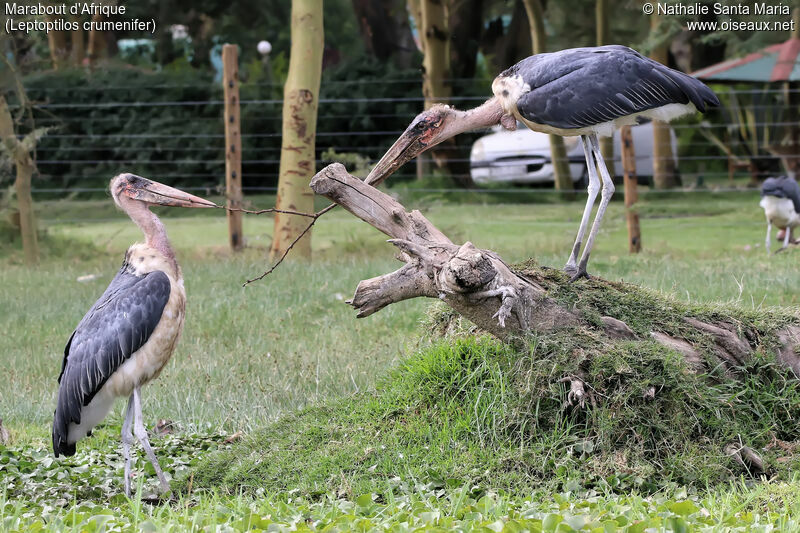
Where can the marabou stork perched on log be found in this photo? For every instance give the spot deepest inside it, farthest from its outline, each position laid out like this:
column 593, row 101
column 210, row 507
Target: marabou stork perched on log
column 580, row 91
column 780, row 198
column 129, row 334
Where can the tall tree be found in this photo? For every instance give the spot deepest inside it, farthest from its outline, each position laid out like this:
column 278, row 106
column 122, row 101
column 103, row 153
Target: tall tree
column 435, row 38
column 431, row 17
column 385, row 29
column 503, row 43
column 18, row 153
column 78, row 44
column 603, row 34
column 558, row 152
column 465, row 20
column 58, row 44
column 300, row 104
column 664, row 176
column 97, row 42
column 67, row 48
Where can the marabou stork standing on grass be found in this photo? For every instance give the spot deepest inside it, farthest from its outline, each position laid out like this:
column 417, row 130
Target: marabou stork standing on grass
column 581, row 91
column 780, row 198
column 129, row 334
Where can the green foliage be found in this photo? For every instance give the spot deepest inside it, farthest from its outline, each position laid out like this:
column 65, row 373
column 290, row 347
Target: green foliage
column 356, row 164
column 126, row 119
column 33, row 474
column 416, row 506
column 753, row 123
column 473, row 411
column 253, row 370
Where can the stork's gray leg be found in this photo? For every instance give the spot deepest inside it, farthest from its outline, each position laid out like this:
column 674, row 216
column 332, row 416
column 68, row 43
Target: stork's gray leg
column 605, row 197
column 594, row 188
column 141, row 433
column 127, row 440
column 786, row 234
column 768, row 245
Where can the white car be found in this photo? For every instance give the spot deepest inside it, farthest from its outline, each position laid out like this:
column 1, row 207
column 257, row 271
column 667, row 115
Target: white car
column 523, row 156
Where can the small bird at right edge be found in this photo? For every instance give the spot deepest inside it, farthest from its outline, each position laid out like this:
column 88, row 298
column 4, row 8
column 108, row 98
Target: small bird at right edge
column 582, row 92
column 780, row 199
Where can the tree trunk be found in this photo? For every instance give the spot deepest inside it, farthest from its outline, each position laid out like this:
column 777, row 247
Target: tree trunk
column 22, row 185
column 511, row 302
column 57, row 42
column 558, row 152
column 300, row 102
column 78, row 50
column 501, row 46
column 97, row 42
column 465, row 20
column 435, row 46
column 436, row 88
column 168, row 14
column 603, row 37
column 385, row 30
column 27, row 217
column 664, row 176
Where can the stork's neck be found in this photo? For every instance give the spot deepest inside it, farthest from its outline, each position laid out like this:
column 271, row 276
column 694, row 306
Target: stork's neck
column 486, row 115
column 154, row 232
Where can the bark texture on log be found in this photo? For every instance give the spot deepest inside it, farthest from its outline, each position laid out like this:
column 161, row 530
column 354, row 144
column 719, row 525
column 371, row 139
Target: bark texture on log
column 513, row 302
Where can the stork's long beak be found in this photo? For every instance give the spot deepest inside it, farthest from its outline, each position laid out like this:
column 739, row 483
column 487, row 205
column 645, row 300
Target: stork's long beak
column 408, row 146
column 152, row 192
column 161, row 194
column 424, row 132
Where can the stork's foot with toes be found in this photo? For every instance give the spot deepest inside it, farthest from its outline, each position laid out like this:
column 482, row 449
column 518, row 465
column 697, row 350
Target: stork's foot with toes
column 508, row 297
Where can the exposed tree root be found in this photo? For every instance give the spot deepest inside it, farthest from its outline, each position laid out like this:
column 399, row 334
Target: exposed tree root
column 746, row 457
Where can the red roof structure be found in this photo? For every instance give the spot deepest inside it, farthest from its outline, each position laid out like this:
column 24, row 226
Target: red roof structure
column 778, row 62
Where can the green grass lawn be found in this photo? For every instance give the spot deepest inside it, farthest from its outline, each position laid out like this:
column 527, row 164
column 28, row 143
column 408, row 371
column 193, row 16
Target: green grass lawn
column 251, row 355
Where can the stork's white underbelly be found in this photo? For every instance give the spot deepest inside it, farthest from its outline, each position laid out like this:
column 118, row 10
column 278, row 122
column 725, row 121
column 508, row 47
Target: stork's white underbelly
column 146, row 363
column 780, row 211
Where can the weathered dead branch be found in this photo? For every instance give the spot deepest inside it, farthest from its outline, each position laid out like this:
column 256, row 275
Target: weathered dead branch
column 474, row 282
column 481, row 287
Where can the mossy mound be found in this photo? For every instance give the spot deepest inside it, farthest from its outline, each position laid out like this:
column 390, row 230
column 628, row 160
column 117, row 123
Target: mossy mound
column 468, row 409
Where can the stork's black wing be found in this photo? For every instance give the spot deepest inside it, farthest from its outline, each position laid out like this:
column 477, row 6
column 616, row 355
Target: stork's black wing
column 582, row 87
column 117, row 325
column 782, row 187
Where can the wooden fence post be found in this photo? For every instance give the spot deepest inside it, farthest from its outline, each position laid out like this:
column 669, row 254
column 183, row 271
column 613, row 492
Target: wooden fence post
column 631, row 190
column 233, row 143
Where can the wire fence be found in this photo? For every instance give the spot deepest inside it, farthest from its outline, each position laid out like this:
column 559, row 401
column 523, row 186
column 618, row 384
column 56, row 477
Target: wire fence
column 181, row 141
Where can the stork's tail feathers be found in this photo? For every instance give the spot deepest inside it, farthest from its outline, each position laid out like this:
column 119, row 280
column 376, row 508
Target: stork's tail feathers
column 705, row 96
column 60, row 433
column 697, row 91
column 68, row 411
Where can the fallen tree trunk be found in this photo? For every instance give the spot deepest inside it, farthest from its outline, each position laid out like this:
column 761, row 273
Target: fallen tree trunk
column 513, row 302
